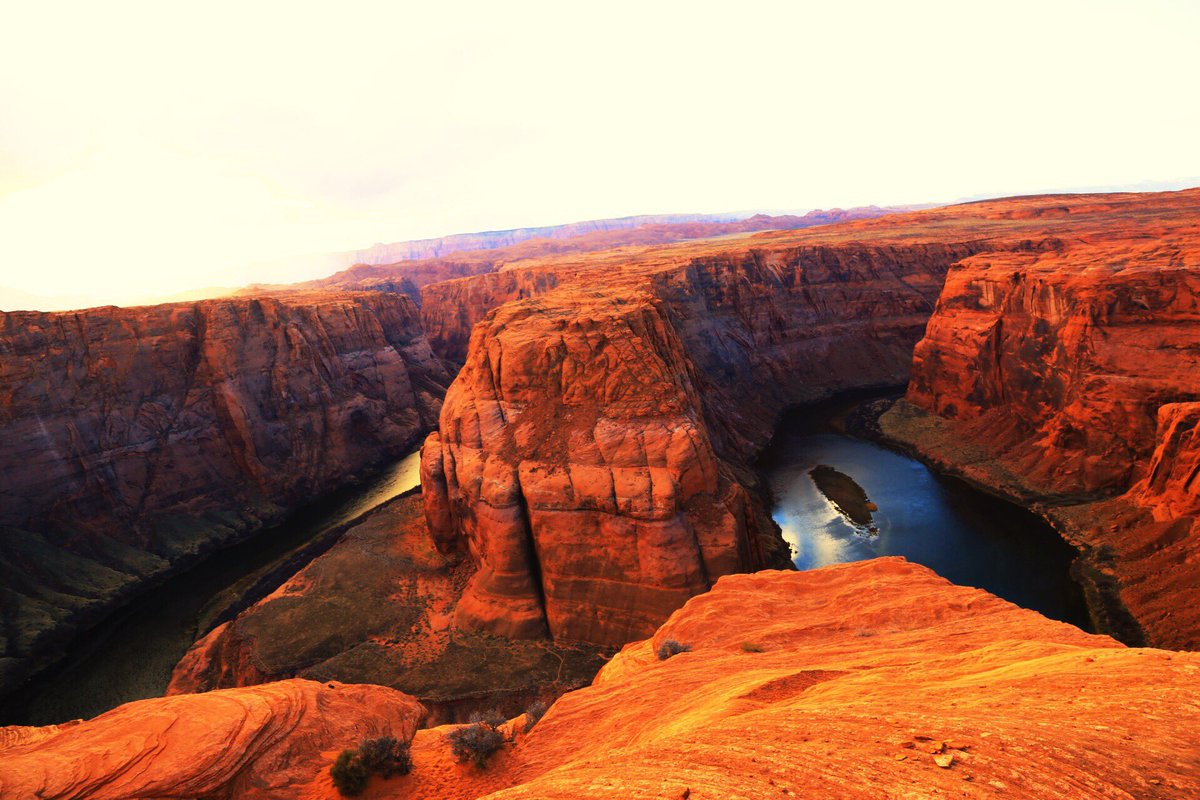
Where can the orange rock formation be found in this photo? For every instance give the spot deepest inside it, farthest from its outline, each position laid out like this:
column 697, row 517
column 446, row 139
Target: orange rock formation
column 1070, row 376
column 873, row 679
column 376, row 609
column 263, row 742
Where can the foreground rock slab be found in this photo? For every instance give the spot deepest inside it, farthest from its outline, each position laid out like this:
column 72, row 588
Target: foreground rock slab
column 868, row 680
column 266, row 741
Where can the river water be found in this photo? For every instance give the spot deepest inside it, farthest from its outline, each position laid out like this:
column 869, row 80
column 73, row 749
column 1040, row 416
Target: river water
column 131, row 655
column 963, row 534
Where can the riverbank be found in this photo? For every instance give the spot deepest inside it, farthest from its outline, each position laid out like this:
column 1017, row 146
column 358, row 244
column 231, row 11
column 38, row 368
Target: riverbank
column 929, row 439
column 817, row 467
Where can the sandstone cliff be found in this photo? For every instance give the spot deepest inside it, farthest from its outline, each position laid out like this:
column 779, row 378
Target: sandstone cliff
column 140, row 439
column 592, row 455
column 1069, row 379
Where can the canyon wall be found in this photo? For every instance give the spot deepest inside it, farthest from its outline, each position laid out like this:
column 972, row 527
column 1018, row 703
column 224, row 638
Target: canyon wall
column 140, row 439
column 1069, row 379
column 1066, row 324
column 593, row 454
column 451, row 309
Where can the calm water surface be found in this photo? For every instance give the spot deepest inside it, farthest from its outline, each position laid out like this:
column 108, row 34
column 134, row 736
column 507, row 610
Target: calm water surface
column 964, row 535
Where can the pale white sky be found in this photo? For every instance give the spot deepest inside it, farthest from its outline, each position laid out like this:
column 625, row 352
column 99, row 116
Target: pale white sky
column 149, row 148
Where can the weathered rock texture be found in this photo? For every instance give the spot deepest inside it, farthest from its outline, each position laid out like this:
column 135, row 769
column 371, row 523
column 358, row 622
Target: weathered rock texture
column 1072, row 375
column 139, row 439
column 592, row 452
column 376, row 609
column 264, row 742
column 874, row 679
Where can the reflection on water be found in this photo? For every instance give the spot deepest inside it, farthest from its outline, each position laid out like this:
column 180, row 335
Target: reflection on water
column 964, row 535
column 131, row 656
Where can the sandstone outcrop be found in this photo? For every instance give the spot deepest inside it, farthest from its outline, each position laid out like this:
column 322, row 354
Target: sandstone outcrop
column 1068, row 379
column 264, row 742
column 375, row 609
column 139, row 439
column 873, row 679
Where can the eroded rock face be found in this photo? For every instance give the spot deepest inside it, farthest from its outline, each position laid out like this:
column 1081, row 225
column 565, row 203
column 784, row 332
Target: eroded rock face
column 376, row 609
column 872, row 679
column 137, row 439
column 578, row 470
column 592, row 453
column 1064, row 326
column 1069, row 379
column 268, row 741
column 451, row 309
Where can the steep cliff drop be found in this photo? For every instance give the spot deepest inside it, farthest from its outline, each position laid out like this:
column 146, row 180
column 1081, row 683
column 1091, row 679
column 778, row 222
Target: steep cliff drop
column 591, row 472
column 592, row 453
column 1068, row 380
column 141, row 439
column 376, row 609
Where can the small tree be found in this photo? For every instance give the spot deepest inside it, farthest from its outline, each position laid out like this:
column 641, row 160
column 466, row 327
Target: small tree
column 349, row 773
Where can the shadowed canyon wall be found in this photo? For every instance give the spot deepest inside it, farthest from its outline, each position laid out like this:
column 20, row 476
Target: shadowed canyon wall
column 139, row 439
column 591, row 472
column 620, row 406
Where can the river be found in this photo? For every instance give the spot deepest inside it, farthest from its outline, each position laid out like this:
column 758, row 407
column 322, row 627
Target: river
column 131, row 655
column 963, row 534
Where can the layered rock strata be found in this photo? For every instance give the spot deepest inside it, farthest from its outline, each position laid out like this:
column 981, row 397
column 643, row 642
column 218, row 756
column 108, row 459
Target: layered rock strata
column 1069, row 380
column 376, row 609
column 140, row 439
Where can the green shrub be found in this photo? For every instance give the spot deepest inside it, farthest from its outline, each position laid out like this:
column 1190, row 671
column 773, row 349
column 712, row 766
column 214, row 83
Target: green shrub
column 386, row 756
column 670, row 648
column 475, row 742
column 349, row 773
